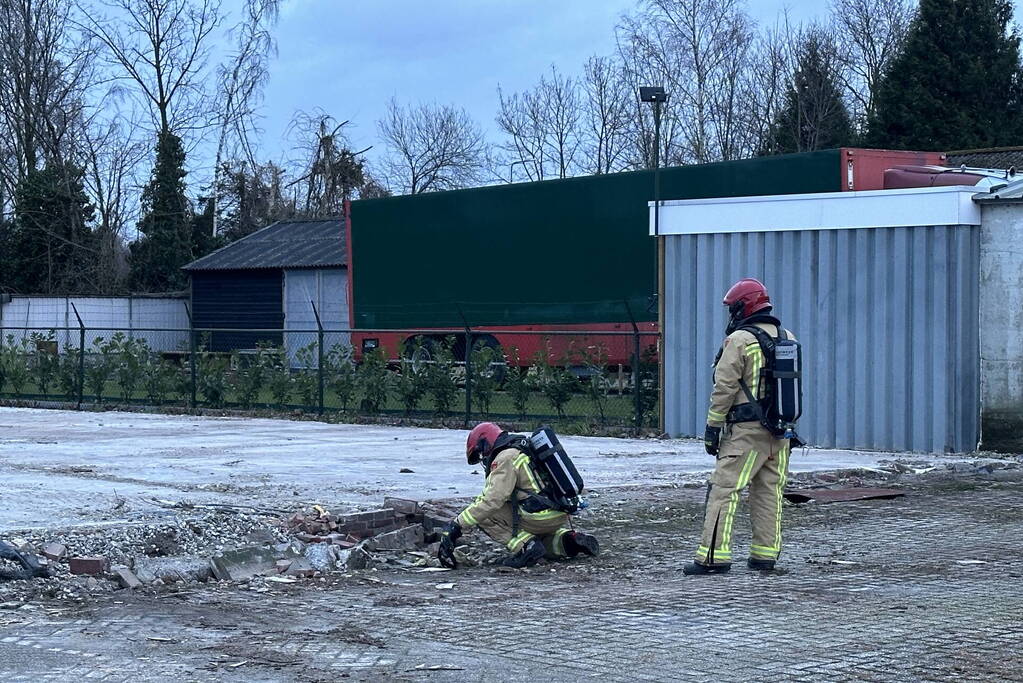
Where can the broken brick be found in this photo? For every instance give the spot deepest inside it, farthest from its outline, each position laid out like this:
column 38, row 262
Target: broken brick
column 125, row 577
column 402, row 539
column 238, row 565
column 88, row 565
column 300, row 567
column 401, row 506
column 55, row 552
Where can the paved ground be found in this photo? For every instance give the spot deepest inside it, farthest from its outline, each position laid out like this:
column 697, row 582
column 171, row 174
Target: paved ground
column 93, row 458
column 926, row 587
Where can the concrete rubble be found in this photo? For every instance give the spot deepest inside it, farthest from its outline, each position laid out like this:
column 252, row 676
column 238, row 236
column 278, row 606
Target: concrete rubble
column 241, row 547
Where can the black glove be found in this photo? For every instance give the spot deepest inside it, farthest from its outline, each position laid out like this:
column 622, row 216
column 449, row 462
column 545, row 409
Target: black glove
column 448, row 535
column 712, row 439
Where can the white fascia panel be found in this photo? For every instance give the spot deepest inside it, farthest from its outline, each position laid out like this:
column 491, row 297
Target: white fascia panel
column 824, row 211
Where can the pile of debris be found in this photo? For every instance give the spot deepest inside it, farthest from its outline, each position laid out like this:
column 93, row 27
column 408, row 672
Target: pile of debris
column 242, row 546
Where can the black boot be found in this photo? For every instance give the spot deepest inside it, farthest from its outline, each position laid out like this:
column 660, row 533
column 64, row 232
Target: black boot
column 696, row 569
column 527, row 557
column 577, row 542
column 760, row 565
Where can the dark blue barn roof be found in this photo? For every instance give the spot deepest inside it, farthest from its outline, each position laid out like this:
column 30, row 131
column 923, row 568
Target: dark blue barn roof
column 316, row 243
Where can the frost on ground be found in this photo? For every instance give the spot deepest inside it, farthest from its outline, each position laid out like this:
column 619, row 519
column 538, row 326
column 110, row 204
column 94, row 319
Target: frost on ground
column 266, row 550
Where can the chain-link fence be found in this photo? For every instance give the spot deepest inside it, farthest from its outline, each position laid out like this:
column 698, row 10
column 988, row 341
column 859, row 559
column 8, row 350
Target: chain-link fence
column 583, row 380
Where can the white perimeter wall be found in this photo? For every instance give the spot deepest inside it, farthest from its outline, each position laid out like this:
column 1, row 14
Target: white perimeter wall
column 162, row 322
column 1001, row 325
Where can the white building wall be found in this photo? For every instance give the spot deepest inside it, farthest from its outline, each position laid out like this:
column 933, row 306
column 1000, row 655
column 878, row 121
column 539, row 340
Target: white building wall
column 1001, row 326
column 161, row 321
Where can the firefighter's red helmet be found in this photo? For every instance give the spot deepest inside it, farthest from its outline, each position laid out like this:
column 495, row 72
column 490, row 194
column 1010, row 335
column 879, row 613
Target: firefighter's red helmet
column 746, row 297
column 481, row 441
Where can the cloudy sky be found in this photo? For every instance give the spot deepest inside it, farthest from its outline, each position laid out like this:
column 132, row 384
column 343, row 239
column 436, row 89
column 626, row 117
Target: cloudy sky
column 348, row 57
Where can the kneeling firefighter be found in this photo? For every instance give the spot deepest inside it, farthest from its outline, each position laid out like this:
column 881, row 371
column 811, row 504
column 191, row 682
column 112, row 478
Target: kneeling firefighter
column 756, row 400
column 531, row 489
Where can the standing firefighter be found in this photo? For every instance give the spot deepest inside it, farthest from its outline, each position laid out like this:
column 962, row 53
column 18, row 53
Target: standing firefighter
column 750, row 428
column 520, row 506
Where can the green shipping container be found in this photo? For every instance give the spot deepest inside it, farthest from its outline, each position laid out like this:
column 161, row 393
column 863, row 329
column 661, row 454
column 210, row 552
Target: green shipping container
column 570, row 251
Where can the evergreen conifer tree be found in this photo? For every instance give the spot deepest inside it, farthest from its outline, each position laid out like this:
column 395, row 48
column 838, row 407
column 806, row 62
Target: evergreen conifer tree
column 165, row 244
column 51, row 248
column 956, row 84
column 814, row 115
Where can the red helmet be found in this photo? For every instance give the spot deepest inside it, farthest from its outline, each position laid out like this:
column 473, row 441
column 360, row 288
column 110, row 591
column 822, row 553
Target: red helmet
column 481, row 441
column 746, row 297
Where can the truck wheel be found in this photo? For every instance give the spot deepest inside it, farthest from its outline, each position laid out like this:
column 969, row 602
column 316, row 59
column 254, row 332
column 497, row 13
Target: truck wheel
column 420, row 352
column 498, row 369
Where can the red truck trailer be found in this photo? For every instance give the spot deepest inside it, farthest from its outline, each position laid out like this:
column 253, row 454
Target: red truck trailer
column 552, row 267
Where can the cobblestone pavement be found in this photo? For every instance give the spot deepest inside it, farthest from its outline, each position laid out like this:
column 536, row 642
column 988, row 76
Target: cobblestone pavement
column 874, row 591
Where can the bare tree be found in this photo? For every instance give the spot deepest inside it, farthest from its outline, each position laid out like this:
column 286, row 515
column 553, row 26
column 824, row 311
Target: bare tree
column 521, row 118
column 696, row 48
column 240, row 84
column 431, row 147
column 331, row 171
column 607, row 105
column 45, row 74
column 543, row 127
column 161, row 46
column 113, row 159
column 771, row 65
column 872, row 31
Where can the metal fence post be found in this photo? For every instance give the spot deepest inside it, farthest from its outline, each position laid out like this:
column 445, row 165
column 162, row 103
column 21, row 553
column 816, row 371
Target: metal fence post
column 319, row 359
column 636, row 378
column 81, row 356
column 468, row 376
column 192, row 360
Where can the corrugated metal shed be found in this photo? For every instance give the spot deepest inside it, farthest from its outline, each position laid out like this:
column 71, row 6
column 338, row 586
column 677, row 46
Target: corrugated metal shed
column 888, row 318
column 285, row 244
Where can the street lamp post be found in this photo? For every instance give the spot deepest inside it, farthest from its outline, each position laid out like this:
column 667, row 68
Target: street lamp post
column 658, row 97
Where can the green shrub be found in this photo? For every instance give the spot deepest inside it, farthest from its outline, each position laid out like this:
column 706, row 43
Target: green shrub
column 278, row 375
column 374, row 380
column 159, row 378
column 212, row 381
column 556, row 383
column 597, row 384
column 440, row 379
column 483, row 374
column 410, row 384
column 249, row 375
column 307, row 381
column 100, row 367
column 518, row 383
column 68, row 373
column 129, row 357
column 339, row 368
column 45, row 362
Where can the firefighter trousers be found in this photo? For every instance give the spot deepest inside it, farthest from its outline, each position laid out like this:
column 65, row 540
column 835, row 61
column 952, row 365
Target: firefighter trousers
column 749, row 456
column 550, row 526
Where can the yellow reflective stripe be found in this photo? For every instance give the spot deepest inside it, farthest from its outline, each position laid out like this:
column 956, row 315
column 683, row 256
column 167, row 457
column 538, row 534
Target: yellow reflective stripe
column 523, row 462
column 542, row 515
column 756, row 355
column 715, row 417
column 559, row 542
column 519, row 540
column 763, row 548
column 466, row 518
column 779, row 492
column 733, row 501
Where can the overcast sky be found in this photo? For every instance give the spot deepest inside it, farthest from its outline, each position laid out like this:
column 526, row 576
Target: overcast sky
column 349, row 57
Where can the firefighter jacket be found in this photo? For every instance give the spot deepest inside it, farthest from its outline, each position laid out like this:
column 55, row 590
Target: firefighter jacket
column 741, row 357
column 510, row 478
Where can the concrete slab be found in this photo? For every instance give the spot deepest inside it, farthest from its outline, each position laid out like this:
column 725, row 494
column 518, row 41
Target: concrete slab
column 63, row 468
